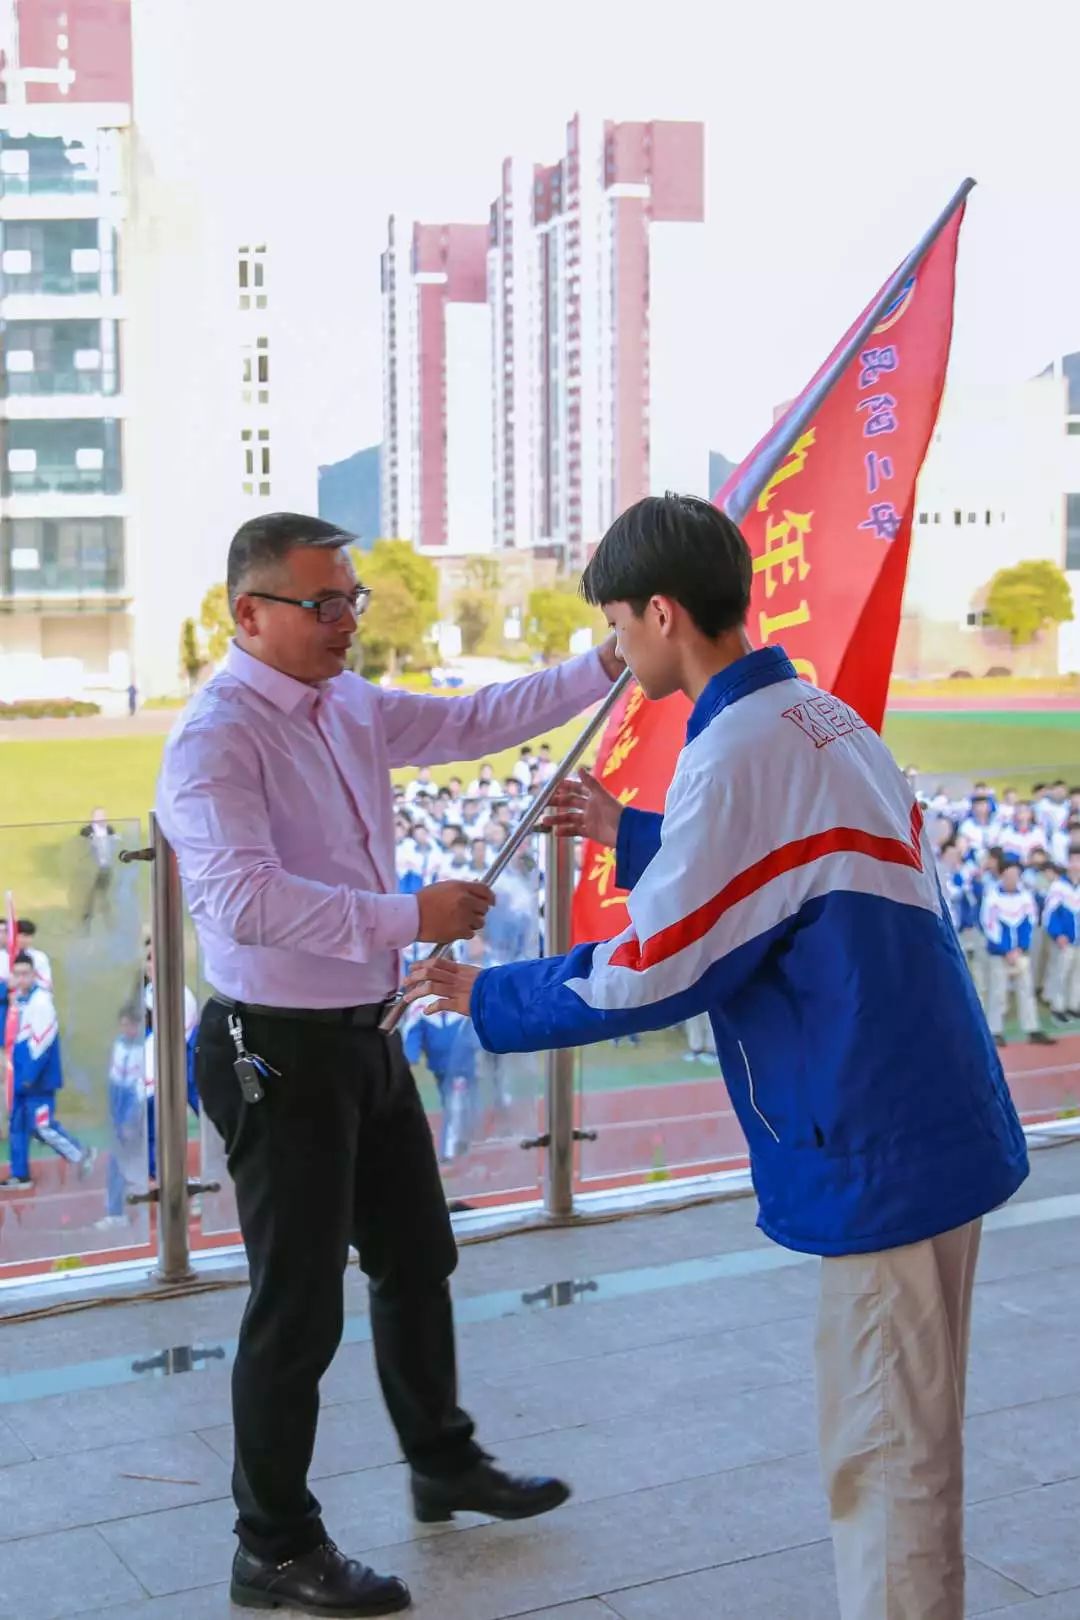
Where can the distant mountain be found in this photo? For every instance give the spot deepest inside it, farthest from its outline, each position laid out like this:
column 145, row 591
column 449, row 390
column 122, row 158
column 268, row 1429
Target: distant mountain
column 349, row 494
column 719, row 469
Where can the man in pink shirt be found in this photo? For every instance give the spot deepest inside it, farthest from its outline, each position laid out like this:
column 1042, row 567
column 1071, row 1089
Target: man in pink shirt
column 275, row 794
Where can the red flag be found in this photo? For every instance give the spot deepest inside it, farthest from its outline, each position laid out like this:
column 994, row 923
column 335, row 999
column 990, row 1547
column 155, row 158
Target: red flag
column 829, row 527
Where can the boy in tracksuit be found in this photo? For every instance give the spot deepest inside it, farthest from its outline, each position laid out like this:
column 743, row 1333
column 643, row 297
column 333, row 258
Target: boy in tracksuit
column 127, row 1114
column 37, row 1076
column 1061, row 919
column 789, row 890
column 449, row 1046
column 1009, row 919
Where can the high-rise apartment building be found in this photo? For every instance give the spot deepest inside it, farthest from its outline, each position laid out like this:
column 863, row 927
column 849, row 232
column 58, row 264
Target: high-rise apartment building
column 593, row 301
column 509, row 283
column 653, row 435
column 437, row 468
column 65, row 578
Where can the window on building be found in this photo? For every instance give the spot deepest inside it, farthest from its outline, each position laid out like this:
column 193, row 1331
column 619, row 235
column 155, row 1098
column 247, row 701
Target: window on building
column 988, row 520
column 958, row 518
column 1073, row 427
column 973, row 517
column 924, row 517
column 1072, row 533
column 62, row 556
column 255, row 372
column 255, row 461
column 937, row 517
column 977, row 620
column 251, row 275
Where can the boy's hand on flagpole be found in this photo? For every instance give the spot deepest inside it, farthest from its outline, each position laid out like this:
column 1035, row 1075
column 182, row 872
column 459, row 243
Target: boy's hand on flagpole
column 584, row 809
column 611, row 658
column 449, row 982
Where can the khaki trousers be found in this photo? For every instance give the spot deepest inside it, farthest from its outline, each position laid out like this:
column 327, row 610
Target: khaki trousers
column 892, row 1348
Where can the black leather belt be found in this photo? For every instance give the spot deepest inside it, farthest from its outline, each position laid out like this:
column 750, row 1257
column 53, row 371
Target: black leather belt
column 365, row 1017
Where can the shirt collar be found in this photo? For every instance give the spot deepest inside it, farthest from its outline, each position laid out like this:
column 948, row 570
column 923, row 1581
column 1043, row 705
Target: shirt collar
column 747, row 674
column 281, row 690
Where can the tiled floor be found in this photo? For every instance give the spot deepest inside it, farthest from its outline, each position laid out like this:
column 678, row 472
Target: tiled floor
column 680, row 1408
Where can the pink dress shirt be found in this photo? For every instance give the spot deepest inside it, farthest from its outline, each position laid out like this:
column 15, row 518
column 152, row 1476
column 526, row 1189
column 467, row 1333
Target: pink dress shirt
column 276, row 798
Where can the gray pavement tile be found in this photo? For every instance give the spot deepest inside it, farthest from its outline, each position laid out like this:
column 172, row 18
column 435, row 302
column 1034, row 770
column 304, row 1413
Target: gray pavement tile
column 797, row 1582
column 1061, row 1606
column 692, row 1439
column 46, row 1577
column 207, row 1603
column 150, row 1409
column 91, row 1487
column 1032, row 1538
column 499, row 1570
column 176, row 1549
column 1037, row 1441
column 1022, row 1362
column 351, row 1435
column 591, row 1609
column 12, row 1449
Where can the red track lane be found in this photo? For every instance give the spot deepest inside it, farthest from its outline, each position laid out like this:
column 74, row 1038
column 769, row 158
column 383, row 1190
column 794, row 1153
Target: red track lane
column 655, row 1133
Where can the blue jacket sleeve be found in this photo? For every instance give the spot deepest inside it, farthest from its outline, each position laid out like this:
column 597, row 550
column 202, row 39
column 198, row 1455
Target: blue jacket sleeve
column 637, row 843
column 677, row 958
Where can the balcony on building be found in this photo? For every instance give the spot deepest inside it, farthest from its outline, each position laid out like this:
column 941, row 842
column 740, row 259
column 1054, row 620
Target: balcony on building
column 63, row 258
column 75, row 457
column 61, row 559
column 60, row 357
column 47, row 165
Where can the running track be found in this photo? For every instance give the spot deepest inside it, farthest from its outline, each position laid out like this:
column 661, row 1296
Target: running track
column 653, row 1133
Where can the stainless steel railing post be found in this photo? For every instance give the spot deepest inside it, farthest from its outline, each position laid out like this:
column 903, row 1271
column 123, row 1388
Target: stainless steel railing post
column 170, row 1061
column 559, row 1126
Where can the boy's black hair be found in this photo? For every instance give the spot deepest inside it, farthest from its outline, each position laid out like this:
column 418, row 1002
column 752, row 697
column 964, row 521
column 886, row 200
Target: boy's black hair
column 23, row 959
column 677, row 546
column 23, row 925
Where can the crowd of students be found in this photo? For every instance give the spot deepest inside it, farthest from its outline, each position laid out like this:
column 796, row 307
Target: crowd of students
column 1010, row 871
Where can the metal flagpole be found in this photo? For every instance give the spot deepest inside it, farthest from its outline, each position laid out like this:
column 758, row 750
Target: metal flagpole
column 738, row 503
column 528, row 822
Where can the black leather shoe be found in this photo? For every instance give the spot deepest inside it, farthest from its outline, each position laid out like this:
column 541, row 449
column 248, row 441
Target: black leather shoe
column 320, row 1582
column 485, row 1489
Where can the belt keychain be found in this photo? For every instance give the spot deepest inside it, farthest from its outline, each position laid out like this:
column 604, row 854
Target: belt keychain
column 249, row 1068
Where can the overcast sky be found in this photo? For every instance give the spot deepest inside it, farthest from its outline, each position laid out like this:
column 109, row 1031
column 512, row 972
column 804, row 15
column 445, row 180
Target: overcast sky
column 835, row 133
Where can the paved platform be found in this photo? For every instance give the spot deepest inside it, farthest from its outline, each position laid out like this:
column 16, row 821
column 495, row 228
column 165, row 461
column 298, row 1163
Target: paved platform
column 662, row 1362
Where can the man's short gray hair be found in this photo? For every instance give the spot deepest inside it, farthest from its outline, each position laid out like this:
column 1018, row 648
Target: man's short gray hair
column 264, row 542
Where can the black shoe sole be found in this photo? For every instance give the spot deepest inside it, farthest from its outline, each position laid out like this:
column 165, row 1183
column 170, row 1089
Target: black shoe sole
column 250, row 1597
column 438, row 1513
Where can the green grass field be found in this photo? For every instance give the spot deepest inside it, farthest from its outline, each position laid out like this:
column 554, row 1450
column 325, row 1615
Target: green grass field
column 59, row 780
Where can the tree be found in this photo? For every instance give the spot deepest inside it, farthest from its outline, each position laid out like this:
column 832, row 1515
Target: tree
column 396, row 559
column 483, row 574
column 473, row 612
column 1025, row 599
column 192, row 659
column 555, row 612
column 217, row 621
column 404, row 604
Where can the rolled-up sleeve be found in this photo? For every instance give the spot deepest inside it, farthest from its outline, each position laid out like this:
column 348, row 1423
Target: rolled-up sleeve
column 212, row 806
column 423, row 730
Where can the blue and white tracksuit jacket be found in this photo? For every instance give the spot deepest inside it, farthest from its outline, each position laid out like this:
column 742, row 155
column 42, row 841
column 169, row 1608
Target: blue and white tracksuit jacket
column 1061, row 913
column 1009, row 921
column 37, row 1075
column 789, row 891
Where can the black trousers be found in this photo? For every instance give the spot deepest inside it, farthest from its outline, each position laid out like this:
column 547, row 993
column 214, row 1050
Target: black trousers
column 337, row 1152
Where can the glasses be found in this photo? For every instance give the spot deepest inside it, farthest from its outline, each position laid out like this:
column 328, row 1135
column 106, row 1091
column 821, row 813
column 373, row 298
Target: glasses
column 327, row 609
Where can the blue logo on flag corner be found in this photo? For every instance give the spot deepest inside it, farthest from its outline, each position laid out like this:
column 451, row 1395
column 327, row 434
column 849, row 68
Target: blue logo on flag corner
column 899, row 305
